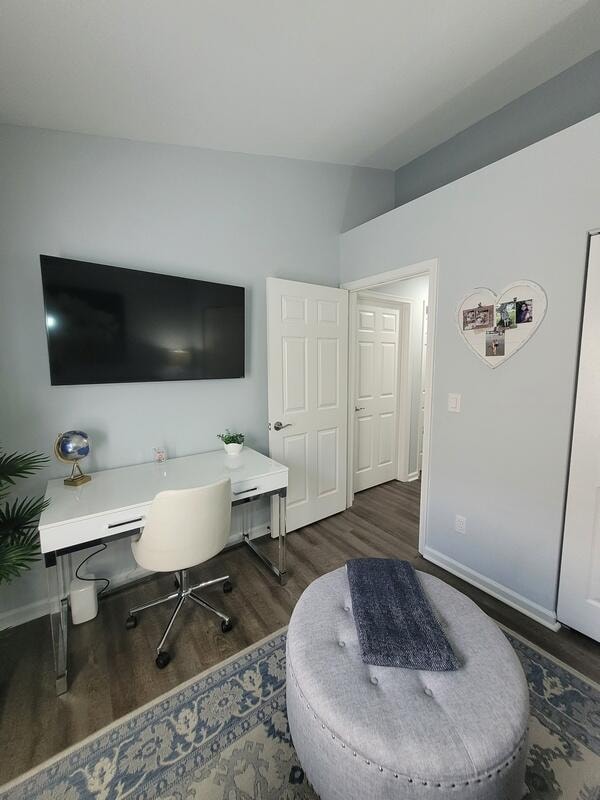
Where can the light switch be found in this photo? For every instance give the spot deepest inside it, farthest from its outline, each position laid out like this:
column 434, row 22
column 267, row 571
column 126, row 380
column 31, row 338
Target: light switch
column 454, row 403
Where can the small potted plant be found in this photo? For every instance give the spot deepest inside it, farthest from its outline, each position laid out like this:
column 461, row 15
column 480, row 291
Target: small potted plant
column 232, row 442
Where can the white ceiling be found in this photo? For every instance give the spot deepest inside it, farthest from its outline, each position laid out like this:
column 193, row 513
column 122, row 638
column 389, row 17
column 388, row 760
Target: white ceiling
column 370, row 82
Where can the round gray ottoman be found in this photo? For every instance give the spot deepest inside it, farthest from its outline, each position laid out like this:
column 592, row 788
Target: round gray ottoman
column 366, row 732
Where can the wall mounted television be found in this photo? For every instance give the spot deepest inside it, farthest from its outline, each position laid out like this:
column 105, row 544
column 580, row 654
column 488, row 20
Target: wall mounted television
column 113, row 325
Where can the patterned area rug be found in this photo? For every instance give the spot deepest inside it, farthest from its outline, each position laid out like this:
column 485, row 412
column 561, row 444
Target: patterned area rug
column 224, row 736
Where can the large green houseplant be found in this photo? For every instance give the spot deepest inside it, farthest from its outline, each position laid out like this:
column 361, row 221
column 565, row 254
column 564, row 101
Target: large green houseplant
column 19, row 545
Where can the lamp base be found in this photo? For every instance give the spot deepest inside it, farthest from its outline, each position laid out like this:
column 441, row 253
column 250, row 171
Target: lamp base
column 77, row 480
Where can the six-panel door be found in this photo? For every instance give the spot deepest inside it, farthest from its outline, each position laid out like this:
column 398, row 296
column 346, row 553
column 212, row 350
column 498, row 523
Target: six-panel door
column 307, row 388
column 376, row 395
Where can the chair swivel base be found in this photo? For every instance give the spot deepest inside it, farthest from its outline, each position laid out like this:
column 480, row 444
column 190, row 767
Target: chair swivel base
column 184, row 592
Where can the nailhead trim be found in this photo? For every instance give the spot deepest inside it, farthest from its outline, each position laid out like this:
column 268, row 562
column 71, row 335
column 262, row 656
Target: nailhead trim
column 395, row 774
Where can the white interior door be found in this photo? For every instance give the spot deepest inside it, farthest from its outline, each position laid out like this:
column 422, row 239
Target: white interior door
column 579, row 590
column 307, row 335
column 375, row 394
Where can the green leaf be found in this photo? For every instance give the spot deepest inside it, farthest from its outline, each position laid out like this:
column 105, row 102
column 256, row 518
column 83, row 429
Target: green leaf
column 19, row 519
column 19, row 540
column 16, row 557
column 231, row 438
column 20, row 465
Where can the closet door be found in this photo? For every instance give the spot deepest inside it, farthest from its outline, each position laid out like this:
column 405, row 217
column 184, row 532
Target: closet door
column 579, row 589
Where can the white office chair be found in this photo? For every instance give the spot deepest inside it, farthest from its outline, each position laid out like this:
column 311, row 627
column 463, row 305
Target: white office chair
column 184, row 528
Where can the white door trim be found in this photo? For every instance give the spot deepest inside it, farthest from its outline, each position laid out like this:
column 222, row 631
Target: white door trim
column 377, row 282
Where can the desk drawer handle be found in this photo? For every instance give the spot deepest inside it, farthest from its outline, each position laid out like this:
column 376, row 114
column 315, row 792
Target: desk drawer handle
column 127, row 522
column 245, row 491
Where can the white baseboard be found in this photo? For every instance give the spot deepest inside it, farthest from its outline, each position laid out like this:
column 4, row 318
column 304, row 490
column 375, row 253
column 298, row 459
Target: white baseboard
column 25, row 613
column 21, row 614
column 413, row 476
column 513, row 599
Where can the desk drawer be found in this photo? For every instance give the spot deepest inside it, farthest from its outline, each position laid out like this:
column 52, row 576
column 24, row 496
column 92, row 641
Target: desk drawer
column 256, row 486
column 75, row 532
column 79, row 531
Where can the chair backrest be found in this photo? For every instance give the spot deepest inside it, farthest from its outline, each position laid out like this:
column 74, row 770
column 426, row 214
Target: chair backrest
column 185, row 527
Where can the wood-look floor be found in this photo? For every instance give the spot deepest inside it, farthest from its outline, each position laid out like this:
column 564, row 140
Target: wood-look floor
column 112, row 670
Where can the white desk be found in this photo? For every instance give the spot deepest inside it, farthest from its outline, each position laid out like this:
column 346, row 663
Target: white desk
column 116, row 501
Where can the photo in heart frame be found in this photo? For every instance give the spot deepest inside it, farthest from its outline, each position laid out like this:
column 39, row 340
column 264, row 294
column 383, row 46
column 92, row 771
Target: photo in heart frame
column 497, row 325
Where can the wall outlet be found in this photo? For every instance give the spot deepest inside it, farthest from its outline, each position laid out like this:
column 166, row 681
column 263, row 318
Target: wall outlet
column 460, row 524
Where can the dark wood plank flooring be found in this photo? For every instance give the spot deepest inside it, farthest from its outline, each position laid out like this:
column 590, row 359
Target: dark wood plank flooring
column 112, row 670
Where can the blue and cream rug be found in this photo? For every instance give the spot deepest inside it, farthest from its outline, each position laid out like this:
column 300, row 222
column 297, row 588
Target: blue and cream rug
column 224, row 735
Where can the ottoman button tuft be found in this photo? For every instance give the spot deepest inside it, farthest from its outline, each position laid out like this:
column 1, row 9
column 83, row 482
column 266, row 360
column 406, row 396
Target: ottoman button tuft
column 342, row 644
column 374, row 680
column 428, row 692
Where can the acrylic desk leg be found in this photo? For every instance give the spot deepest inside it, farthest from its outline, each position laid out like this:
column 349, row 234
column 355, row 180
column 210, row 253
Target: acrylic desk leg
column 59, row 606
column 279, row 568
column 282, row 534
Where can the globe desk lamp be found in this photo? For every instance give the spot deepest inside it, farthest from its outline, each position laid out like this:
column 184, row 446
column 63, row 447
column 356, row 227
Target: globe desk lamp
column 70, row 448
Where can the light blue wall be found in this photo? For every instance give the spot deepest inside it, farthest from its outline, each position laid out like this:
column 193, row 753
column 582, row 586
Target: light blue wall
column 564, row 100
column 198, row 213
column 502, row 462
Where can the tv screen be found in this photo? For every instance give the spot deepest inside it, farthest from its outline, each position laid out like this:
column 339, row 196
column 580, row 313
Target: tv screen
column 112, row 325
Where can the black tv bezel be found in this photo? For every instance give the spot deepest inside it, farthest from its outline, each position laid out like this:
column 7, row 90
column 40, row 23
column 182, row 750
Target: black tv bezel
column 45, row 259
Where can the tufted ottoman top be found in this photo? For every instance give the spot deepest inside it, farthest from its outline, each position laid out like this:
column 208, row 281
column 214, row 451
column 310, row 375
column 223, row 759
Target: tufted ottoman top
column 434, row 724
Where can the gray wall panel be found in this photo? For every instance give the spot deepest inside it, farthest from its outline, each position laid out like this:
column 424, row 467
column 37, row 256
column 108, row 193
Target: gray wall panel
column 562, row 101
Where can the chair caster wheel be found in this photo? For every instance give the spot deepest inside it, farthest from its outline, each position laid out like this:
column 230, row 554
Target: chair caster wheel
column 227, row 587
column 162, row 659
column 226, row 625
column 131, row 622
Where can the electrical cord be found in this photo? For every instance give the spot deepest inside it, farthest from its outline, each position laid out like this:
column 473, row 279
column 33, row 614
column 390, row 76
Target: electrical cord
column 102, row 547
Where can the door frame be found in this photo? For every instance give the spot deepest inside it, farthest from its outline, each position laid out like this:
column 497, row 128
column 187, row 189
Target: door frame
column 404, row 305
column 375, row 283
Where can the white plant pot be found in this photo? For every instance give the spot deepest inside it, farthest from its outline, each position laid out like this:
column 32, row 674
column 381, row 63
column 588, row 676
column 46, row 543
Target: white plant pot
column 233, row 449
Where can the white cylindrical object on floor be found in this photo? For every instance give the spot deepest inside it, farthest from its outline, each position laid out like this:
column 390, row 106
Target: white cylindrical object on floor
column 84, row 601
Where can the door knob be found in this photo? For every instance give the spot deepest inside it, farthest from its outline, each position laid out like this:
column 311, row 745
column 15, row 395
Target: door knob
column 356, row 408
column 279, row 425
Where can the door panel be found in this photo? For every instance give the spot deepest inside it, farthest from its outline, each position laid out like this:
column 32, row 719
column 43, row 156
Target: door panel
column 293, row 308
column 307, row 335
column 294, row 374
column 364, row 438
column 366, row 353
column 388, row 322
column 386, row 439
column 328, row 370
column 295, row 457
column 376, row 394
column 389, row 359
column 579, row 589
column 328, row 311
column 366, row 320
column 327, row 453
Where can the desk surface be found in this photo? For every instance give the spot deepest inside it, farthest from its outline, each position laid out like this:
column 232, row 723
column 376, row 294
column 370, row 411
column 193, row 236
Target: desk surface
column 126, row 487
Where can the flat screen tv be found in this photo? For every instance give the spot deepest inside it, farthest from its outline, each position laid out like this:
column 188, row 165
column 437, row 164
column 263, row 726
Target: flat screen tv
column 113, row 325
